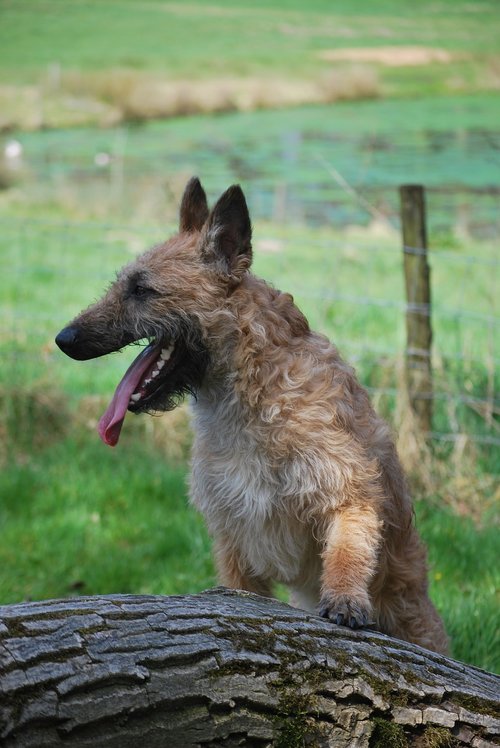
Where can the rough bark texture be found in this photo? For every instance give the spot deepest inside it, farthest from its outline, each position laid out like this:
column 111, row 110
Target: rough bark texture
column 226, row 669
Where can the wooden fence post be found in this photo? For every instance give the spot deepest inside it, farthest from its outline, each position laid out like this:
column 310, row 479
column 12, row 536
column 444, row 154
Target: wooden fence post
column 418, row 304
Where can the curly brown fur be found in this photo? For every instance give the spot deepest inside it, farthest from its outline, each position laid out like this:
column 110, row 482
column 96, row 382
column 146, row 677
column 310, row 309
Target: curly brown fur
column 296, row 475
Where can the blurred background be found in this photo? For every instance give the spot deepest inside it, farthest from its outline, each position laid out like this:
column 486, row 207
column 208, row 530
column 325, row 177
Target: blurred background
column 320, row 110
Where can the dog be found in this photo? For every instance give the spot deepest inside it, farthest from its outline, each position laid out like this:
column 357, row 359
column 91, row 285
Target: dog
column 297, row 477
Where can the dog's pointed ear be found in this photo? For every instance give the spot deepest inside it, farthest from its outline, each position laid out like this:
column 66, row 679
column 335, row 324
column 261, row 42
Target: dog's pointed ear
column 227, row 239
column 194, row 208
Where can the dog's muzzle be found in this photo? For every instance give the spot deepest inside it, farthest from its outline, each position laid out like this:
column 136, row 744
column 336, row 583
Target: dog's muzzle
column 82, row 342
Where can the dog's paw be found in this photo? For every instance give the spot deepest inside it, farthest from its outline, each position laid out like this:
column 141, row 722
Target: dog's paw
column 345, row 611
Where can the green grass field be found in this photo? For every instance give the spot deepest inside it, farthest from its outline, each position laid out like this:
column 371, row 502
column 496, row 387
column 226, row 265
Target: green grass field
column 194, row 39
column 79, row 518
column 61, row 64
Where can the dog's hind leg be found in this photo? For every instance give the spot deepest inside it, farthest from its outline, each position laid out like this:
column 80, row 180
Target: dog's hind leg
column 349, row 563
column 234, row 573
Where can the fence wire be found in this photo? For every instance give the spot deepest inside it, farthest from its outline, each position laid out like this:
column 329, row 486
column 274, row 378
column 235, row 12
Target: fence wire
column 50, row 273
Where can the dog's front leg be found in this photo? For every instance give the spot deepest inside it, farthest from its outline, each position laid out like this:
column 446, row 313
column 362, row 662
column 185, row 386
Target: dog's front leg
column 349, row 563
column 233, row 572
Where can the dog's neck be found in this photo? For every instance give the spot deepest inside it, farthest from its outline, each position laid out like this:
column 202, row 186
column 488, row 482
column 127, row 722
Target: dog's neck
column 256, row 324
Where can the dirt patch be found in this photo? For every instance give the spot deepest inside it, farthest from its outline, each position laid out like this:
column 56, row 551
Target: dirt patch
column 113, row 96
column 143, row 96
column 390, row 56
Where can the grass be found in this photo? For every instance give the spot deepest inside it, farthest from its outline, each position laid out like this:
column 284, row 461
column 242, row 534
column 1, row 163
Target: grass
column 58, row 66
column 191, row 40
column 464, row 581
column 69, row 531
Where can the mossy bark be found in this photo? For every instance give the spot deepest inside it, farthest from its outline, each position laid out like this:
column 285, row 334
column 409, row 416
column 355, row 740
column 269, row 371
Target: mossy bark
column 225, row 668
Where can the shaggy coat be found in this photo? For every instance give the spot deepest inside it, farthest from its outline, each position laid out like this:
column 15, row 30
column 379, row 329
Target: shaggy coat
column 296, row 475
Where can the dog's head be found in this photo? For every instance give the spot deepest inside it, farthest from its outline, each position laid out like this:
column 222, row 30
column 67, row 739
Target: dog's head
column 173, row 296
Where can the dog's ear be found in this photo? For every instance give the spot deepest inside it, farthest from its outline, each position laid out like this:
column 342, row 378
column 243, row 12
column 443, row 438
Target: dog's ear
column 194, row 208
column 226, row 243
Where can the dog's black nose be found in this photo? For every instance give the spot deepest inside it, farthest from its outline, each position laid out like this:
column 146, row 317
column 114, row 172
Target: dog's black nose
column 67, row 339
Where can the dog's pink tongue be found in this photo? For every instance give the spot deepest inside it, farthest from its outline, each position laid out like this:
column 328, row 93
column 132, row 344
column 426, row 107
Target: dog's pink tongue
column 111, row 422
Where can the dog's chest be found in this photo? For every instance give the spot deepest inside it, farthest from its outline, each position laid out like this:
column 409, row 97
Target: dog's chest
column 244, row 496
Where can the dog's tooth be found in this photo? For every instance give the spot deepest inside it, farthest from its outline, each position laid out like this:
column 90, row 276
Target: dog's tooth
column 135, row 397
column 160, row 364
column 166, row 353
column 147, row 381
column 155, row 373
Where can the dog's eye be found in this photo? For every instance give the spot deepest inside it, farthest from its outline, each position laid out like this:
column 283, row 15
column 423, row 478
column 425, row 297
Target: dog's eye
column 141, row 292
column 138, row 290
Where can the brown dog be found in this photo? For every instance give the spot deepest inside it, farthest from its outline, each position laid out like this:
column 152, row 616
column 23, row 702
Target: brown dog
column 297, row 477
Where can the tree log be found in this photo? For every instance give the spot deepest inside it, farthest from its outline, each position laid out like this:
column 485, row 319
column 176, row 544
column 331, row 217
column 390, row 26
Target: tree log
column 226, row 668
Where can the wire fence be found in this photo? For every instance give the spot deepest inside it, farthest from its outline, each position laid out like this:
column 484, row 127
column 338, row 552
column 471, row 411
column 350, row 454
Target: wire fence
column 52, row 268
column 300, row 187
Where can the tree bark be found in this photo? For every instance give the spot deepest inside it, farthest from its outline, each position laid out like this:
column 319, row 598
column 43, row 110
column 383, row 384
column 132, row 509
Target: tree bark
column 226, row 668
